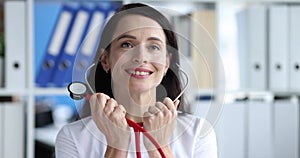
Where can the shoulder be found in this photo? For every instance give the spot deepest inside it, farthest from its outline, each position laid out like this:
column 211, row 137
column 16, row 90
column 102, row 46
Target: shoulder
column 78, row 128
column 194, row 123
column 198, row 127
column 76, row 138
column 194, row 137
column 77, row 125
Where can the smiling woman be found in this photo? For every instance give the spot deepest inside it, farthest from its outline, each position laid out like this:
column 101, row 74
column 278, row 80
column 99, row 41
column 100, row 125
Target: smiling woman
column 136, row 79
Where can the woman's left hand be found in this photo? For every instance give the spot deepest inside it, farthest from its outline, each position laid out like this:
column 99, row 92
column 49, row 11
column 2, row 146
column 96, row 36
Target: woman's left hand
column 160, row 122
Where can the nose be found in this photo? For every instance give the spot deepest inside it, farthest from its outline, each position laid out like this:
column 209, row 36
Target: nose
column 140, row 54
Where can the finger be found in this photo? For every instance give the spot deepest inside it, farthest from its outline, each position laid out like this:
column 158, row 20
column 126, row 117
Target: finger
column 110, row 106
column 102, row 98
column 169, row 103
column 118, row 116
column 148, row 118
column 176, row 103
column 98, row 100
column 162, row 107
column 153, row 110
column 122, row 109
column 93, row 99
column 147, row 114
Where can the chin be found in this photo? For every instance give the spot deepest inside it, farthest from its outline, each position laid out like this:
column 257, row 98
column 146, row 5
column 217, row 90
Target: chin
column 141, row 88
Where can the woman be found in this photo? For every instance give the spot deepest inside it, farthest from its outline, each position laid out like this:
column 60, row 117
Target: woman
column 136, row 79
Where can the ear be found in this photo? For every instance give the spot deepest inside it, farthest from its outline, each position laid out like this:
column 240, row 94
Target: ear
column 104, row 60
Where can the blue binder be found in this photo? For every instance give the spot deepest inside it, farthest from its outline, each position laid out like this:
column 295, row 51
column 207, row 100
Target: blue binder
column 56, row 43
column 88, row 50
column 73, row 42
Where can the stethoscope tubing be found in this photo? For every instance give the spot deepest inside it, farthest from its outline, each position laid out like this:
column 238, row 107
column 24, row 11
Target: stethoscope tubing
column 148, row 135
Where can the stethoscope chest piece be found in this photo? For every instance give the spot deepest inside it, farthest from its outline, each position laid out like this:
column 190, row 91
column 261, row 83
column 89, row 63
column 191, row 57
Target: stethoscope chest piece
column 77, row 90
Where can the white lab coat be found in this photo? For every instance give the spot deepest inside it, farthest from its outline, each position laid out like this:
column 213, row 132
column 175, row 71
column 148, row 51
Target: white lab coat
column 193, row 138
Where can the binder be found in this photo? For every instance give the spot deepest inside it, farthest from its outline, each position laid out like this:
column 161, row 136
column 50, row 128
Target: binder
column 252, row 47
column 294, row 61
column 278, row 48
column 13, row 128
column 1, row 72
column 2, row 60
column 73, row 41
column 1, row 128
column 45, row 17
column 286, row 128
column 242, row 30
column 258, row 48
column 56, row 44
column 86, row 53
column 231, row 132
column 15, row 45
column 260, row 129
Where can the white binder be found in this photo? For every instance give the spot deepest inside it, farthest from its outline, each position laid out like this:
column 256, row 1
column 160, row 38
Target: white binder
column 241, row 19
column 294, row 49
column 231, row 132
column 278, row 48
column 259, row 129
column 1, row 71
column 13, row 129
column 252, row 38
column 1, row 128
column 286, row 129
column 257, row 48
column 15, row 49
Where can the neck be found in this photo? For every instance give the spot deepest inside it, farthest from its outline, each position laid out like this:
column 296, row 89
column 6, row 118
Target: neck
column 136, row 104
column 134, row 118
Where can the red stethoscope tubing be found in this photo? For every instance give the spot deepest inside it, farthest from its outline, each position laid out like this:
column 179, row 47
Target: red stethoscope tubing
column 148, row 135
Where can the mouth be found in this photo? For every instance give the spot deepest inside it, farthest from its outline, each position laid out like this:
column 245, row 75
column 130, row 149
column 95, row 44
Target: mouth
column 140, row 72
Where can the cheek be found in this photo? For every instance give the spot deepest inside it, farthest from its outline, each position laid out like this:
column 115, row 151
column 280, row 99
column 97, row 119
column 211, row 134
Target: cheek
column 161, row 63
column 160, row 67
column 114, row 59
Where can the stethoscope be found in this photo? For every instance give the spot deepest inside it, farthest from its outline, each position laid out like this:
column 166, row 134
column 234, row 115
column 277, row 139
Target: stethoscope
column 79, row 90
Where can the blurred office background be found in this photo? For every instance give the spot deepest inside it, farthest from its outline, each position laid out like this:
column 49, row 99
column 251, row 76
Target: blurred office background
column 242, row 58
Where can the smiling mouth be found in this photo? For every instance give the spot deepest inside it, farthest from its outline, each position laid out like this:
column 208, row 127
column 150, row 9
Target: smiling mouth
column 141, row 73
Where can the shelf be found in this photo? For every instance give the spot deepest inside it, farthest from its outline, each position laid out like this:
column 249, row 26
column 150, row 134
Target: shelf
column 36, row 91
column 51, row 91
column 7, row 92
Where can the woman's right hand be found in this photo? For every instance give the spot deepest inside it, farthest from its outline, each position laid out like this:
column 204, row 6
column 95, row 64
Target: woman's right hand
column 109, row 117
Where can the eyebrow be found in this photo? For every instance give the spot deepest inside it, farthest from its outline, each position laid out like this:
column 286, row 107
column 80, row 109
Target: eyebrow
column 155, row 39
column 125, row 36
column 133, row 37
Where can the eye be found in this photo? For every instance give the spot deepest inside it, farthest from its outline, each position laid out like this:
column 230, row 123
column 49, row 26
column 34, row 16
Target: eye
column 126, row 45
column 154, row 48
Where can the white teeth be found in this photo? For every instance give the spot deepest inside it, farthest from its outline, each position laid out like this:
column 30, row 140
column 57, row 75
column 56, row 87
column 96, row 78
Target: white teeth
column 139, row 73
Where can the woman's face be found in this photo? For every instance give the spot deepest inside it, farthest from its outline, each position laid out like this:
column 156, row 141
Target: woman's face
column 138, row 57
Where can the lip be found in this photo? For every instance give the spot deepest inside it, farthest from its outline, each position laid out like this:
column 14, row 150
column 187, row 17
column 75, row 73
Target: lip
column 139, row 73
